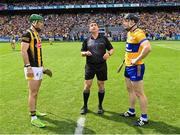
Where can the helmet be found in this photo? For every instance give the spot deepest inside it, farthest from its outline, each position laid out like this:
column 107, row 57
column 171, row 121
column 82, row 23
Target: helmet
column 35, row 17
column 131, row 16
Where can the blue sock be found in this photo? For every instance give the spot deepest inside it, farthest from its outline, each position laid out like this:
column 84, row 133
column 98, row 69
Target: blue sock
column 132, row 110
column 144, row 116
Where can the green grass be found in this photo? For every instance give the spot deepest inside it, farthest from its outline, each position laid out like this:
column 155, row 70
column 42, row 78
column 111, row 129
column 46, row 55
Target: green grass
column 61, row 95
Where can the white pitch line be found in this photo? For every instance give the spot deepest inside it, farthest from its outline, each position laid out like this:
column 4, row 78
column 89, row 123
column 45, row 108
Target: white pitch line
column 80, row 126
column 168, row 47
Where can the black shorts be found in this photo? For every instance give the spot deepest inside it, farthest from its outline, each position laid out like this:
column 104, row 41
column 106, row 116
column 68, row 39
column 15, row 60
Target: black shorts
column 100, row 70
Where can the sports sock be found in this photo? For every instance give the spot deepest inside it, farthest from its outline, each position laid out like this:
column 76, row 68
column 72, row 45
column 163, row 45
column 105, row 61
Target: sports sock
column 101, row 97
column 86, row 94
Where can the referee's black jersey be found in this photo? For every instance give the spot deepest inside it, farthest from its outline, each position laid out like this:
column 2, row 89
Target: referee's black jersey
column 34, row 51
column 97, row 47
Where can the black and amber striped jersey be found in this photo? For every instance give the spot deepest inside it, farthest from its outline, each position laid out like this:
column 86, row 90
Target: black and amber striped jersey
column 34, row 51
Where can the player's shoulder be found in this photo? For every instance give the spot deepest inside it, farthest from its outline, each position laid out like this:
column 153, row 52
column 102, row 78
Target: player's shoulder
column 139, row 31
column 26, row 37
column 27, row 33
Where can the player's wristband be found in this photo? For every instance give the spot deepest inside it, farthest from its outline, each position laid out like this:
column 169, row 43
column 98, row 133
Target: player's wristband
column 27, row 65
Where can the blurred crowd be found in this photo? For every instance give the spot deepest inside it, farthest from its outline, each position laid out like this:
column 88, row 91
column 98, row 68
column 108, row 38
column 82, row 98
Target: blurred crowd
column 159, row 25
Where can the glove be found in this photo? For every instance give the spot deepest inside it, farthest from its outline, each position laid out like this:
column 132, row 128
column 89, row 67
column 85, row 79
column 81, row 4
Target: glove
column 47, row 72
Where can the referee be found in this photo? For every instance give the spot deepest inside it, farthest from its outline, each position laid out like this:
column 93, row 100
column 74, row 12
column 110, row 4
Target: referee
column 94, row 49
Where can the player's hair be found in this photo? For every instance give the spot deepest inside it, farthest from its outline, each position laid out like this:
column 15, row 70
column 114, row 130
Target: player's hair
column 35, row 18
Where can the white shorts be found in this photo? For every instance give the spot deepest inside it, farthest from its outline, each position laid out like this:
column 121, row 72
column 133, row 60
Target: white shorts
column 38, row 73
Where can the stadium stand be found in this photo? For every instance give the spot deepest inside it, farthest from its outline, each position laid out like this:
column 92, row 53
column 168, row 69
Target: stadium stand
column 158, row 25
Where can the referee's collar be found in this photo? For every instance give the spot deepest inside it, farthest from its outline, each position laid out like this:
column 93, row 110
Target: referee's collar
column 94, row 38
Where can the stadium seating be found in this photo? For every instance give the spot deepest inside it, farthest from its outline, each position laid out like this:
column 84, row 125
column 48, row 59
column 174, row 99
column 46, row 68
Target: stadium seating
column 157, row 25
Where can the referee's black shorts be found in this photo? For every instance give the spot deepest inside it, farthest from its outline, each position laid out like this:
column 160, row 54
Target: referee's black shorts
column 100, row 70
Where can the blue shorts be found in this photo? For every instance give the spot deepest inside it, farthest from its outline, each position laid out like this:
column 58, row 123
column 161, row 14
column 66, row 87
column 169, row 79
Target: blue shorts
column 135, row 73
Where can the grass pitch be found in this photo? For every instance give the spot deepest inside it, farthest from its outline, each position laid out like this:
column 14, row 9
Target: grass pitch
column 61, row 95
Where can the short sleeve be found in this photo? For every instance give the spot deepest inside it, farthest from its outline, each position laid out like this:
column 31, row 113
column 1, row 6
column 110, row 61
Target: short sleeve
column 141, row 37
column 108, row 44
column 26, row 37
column 84, row 46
